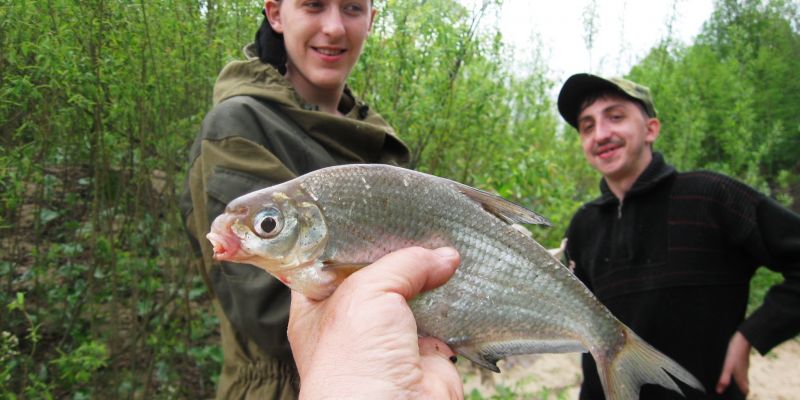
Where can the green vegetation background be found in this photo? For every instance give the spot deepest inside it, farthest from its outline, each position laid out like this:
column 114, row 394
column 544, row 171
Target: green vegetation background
column 100, row 100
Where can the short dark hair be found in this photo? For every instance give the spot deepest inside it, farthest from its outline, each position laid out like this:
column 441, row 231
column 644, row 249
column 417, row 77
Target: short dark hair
column 270, row 47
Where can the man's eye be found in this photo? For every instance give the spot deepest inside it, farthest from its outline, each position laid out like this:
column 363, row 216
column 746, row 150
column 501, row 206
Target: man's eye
column 584, row 129
column 354, row 9
column 313, row 5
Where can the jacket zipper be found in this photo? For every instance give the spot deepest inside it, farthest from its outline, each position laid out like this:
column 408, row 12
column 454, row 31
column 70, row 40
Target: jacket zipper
column 619, row 210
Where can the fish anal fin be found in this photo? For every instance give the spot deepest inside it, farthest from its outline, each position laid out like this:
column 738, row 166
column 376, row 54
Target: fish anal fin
column 488, row 354
column 478, row 358
column 506, row 210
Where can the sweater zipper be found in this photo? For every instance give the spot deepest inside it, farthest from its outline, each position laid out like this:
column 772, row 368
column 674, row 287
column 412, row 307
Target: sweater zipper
column 619, row 210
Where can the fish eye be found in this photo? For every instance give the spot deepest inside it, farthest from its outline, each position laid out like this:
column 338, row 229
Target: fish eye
column 267, row 223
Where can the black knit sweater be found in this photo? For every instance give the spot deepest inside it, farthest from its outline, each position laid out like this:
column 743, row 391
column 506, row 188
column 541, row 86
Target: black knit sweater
column 673, row 261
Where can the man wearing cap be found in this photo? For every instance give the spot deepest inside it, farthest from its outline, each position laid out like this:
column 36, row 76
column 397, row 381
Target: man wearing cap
column 670, row 253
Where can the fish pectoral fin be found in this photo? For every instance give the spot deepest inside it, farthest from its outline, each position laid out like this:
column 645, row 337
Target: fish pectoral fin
column 478, row 358
column 510, row 212
column 342, row 267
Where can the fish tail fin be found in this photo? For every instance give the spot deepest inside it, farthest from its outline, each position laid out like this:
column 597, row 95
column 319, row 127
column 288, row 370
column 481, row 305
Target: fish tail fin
column 638, row 363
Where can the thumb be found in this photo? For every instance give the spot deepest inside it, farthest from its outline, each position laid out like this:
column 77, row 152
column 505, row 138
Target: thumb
column 408, row 271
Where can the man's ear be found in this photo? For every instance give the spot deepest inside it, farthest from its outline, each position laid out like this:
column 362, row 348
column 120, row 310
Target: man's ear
column 273, row 12
column 372, row 14
column 653, row 129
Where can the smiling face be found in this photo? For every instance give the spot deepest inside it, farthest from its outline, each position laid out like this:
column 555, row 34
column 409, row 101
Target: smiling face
column 616, row 136
column 323, row 39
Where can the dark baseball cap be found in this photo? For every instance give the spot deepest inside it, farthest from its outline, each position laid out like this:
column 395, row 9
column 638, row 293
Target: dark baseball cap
column 579, row 86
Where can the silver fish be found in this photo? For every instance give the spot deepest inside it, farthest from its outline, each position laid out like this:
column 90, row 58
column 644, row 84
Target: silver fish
column 509, row 295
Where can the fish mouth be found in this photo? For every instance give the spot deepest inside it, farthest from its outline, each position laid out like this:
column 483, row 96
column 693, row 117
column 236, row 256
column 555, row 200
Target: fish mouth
column 226, row 245
column 224, row 248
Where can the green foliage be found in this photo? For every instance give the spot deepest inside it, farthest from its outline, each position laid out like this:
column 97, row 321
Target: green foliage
column 77, row 367
column 9, row 351
column 100, row 99
column 98, row 103
column 728, row 102
column 759, row 285
column 467, row 115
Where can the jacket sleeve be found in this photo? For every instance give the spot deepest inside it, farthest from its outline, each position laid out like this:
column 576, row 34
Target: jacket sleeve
column 230, row 157
column 775, row 243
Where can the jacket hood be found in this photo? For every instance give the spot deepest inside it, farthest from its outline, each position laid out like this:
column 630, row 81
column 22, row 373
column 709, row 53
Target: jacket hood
column 363, row 132
column 251, row 77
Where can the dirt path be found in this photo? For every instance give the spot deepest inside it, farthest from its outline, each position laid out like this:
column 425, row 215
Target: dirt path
column 775, row 376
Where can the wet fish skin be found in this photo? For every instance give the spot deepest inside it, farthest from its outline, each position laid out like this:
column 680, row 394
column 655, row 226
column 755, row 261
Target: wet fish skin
column 509, row 295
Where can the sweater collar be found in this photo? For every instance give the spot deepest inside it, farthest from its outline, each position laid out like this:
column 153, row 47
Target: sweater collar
column 655, row 173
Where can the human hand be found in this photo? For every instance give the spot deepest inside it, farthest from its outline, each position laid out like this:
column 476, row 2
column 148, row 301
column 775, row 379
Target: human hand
column 362, row 342
column 737, row 362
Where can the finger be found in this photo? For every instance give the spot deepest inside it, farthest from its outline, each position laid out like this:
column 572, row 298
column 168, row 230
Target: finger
column 300, row 302
column 303, row 313
column 298, row 307
column 430, row 346
column 441, row 379
column 408, row 271
column 740, row 376
column 724, row 378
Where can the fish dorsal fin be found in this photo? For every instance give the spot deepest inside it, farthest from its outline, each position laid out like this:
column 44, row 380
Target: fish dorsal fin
column 507, row 211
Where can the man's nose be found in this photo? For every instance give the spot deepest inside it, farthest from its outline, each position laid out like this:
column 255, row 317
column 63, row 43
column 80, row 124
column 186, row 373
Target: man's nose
column 332, row 24
column 602, row 131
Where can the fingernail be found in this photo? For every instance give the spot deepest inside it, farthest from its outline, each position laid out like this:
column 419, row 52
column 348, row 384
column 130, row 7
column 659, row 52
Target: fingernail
column 453, row 359
column 446, row 252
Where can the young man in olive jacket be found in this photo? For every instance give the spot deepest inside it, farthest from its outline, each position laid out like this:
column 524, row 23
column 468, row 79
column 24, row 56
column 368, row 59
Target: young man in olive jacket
column 671, row 254
column 261, row 133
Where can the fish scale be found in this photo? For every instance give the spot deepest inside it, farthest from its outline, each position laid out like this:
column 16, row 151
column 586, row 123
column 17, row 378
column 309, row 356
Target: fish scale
column 509, row 295
column 498, row 261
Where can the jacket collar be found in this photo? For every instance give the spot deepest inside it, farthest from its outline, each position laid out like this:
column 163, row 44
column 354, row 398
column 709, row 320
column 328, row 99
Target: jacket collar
column 361, row 135
column 655, row 173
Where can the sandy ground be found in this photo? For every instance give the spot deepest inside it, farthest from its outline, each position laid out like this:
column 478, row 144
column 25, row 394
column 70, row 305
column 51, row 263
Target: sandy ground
column 775, row 376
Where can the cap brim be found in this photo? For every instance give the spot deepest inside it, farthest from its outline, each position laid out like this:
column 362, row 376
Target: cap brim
column 575, row 90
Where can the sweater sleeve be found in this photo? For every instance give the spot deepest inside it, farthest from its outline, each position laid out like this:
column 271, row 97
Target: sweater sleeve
column 775, row 243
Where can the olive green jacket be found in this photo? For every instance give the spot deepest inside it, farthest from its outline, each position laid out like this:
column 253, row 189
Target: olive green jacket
column 260, row 133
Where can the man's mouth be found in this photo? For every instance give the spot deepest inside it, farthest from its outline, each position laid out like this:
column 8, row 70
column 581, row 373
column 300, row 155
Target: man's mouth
column 607, row 150
column 329, row 51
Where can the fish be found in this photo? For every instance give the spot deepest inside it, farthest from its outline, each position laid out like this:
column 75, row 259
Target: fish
column 509, row 296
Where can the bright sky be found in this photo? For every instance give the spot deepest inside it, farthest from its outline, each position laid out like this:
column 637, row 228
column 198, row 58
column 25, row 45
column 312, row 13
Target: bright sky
column 626, row 30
